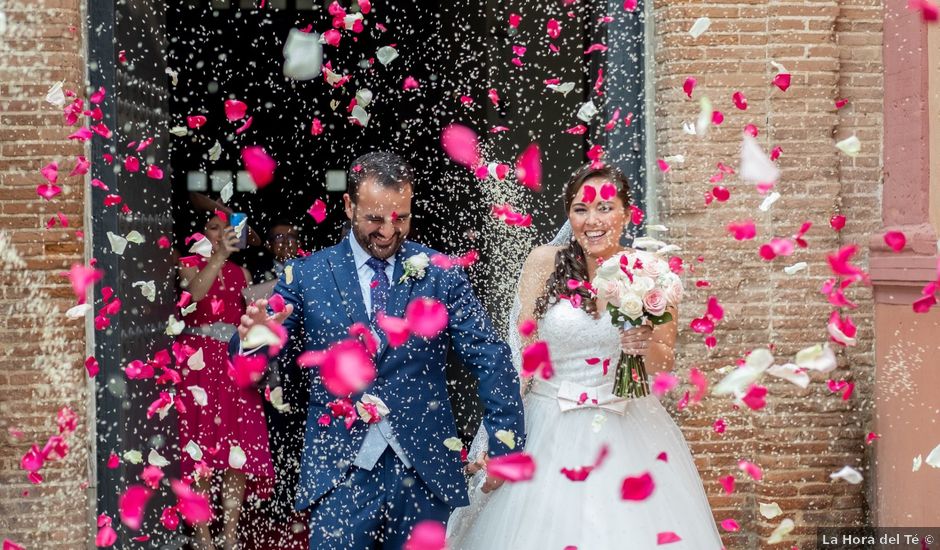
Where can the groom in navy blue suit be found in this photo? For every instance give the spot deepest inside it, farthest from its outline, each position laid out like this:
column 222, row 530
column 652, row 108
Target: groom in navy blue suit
column 367, row 486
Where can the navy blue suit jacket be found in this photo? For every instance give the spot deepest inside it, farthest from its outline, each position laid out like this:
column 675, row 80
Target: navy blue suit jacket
column 324, row 290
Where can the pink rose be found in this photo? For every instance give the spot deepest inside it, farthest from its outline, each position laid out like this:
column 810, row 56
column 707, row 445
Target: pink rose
column 673, row 289
column 653, row 267
column 655, row 302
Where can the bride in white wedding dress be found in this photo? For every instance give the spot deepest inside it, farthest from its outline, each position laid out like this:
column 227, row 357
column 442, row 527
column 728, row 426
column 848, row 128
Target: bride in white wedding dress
column 584, row 440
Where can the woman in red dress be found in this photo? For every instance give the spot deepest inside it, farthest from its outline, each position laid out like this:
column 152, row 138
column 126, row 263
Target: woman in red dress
column 229, row 428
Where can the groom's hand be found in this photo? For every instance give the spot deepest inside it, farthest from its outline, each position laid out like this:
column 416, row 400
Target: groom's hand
column 492, row 483
column 257, row 313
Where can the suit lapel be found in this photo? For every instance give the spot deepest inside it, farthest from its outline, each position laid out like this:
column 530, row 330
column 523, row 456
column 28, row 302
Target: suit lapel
column 343, row 269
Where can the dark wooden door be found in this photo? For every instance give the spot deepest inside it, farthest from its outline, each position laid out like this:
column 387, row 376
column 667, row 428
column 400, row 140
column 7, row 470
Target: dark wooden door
column 135, row 109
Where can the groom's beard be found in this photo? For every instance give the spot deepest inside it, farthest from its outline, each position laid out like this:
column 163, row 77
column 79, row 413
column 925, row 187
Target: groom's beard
column 376, row 245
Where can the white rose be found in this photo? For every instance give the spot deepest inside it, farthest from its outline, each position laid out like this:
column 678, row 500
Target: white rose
column 419, row 261
column 609, row 269
column 672, row 286
column 631, row 305
column 641, row 285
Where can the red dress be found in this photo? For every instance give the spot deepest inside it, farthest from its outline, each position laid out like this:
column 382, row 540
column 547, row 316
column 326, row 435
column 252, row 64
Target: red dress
column 233, row 416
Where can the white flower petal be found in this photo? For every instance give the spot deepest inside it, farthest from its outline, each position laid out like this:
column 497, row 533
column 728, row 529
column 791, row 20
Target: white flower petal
column 562, row 88
column 848, row 474
column 55, row 95
column 188, row 309
column 597, row 423
column 769, row 201
column 135, row 237
column 507, row 437
column 782, row 530
column 360, row 115
column 587, row 111
column 819, row 358
column 918, row 462
column 688, row 128
column 199, row 395
column 260, row 335
column 933, row 459
column 770, row 511
column 364, row 97
column 202, row 247
column 756, row 166
column 289, row 274
column 737, row 380
column 147, row 288
column 174, row 75
column 780, row 68
column 79, row 311
column 118, row 243
column 303, row 55
column 704, row 120
column 277, row 400
column 453, row 443
column 174, row 327
column 133, row 456
column 795, row 268
column 840, row 336
column 386, row 54
column 699, row 27
column 236, row 457
column 760, row 358
column 229, row 189
column 850, row 146
column 215, row 153
column 196, row 361
column 193, row 451
column 155, row 459
column 790, row 373
column 179, row 131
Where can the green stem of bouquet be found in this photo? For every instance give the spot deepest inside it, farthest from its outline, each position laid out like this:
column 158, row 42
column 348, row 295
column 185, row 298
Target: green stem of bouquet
column 630, row 379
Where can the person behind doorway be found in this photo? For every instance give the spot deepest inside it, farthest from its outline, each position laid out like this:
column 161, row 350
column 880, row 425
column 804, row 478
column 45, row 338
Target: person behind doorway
column 229, row 428
column 280, row 243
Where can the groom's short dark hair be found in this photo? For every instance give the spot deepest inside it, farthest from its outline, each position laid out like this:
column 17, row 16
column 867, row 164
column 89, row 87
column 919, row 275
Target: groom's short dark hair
column 384, row 168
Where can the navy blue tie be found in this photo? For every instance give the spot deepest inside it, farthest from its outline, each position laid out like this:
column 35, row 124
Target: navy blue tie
column 380, row 285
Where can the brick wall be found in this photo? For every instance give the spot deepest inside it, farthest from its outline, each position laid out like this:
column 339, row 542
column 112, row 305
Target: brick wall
column 833, row 51
column 41, row 359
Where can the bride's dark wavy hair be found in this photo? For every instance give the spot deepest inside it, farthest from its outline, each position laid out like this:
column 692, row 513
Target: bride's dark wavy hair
column 570, row 261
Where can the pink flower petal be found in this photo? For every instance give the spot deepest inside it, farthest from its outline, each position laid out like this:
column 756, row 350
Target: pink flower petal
column 782, row 81
column 246, row 370
column 739, row 100
column 751, row 469
column 663, row 383
column 426, row 317
column 132, row 505
column 345, row 367
column 244, row 127
column 743, row 230
column 48, row 191
column 106, row 537
column 460, row 144
column 666, row 537
column 82, row 134
column 259, row 164
column 717, row 118
column 154, row 172
column 91, row 365
column 529, row 168
column 728, row 483
column 719, row 426
column 151, row 476
column 923, row 305
column 896, row 240
column 131, row 164
column 235, row 110
column 331, row 37
column 755, row 397
column 395, row 329
column 410, row 84
column 169, row 518
column 427, row 535
column 316, row 127
column 317, row 211
column 82, row 166
column 513, row 467
column 608, row 191
column 720, row 193
column 81, row 278
column 514, row 20
column 688, row 86
column 193, row 506
column 637, row 488
column 51, row 172
column 553, row 28
column 536, row 358
column 195, row 121
column 10, row 545
column 97, row 97
column 730, row 525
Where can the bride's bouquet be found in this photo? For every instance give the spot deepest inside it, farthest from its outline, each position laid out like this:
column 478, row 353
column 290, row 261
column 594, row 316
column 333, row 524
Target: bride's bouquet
column 638, row 287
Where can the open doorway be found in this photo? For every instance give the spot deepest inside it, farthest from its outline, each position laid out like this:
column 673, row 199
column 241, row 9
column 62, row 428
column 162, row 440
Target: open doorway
column 187, row 59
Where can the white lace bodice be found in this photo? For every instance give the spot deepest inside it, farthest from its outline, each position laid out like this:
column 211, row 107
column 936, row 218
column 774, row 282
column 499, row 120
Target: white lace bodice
column 573, row 337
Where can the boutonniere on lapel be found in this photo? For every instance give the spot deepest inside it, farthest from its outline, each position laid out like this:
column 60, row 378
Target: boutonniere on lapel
column 415, row 267
column 371, row 409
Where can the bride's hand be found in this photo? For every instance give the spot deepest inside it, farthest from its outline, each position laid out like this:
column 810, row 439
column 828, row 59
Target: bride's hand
column 492, row 483
column 636, row 340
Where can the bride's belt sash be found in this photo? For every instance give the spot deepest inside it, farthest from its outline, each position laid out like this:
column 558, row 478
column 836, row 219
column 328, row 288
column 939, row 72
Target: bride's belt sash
column 571, row 395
